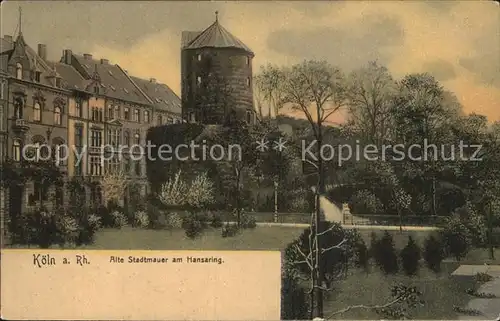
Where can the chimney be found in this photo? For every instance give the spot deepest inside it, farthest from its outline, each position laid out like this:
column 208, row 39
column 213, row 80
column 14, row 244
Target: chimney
column 67, row 54
column 152, row 80
column 42, row 51
column 104, row 61
column 87, row 56
column 8, row 38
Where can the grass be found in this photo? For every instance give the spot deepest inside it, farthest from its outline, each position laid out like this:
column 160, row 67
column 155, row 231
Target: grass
column 440, row 293
column 261, row 238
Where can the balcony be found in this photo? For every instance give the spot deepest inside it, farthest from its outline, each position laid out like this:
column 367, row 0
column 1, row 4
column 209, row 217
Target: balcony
column 20, row 125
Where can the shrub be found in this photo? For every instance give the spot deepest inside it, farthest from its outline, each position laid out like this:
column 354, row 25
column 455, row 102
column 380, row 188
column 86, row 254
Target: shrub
column 386, row 257
column 433, row 253
column 119, row 219
column 173, row 220
column 456, row 237
column 410, row 257
column 294, row 303
column 229, row 230
column 373, row 252
column 216, row 221
column 482, row 277
column 88, row 226
column 474, row 222
column 141, row 219
column 194, row 224
column 68, row 230
column 365, row 202
column 362, row 255
column 248, row 221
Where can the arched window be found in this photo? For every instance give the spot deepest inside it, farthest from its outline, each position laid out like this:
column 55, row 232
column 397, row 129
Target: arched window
column 137, row 138
column 19, row 71
column 160, row 120
column 117, row 112
column 18, row 108
column 37, row 114
column 59, row 149
column 16, row 150
column 57, row 115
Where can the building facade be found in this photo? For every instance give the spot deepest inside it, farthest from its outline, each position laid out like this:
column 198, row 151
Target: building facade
column 83, row 104
column 216, row 75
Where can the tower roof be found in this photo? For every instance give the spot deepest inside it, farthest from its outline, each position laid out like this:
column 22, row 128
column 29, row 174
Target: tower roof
column 216, row 36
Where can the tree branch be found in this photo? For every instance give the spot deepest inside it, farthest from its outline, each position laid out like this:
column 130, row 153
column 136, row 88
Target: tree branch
column 366, row 307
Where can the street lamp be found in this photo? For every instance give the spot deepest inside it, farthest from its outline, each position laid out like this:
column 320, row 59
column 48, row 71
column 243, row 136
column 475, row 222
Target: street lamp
column 275, row 201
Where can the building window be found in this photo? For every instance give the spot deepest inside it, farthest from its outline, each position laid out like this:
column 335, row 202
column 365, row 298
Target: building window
column 117, row 112
column 170, row 120
column 37, row 76
column 18, row 108
column 198, row 80
column 16, row 150
column 1, row 118
column 78, row 150
column 247, row 60
column 160, row 120
column 138, row 168
column 127, row 166
column 19, row 71
column 95, row 166
column 95, row 138
column 96, row 90
column 126, row 113
column 249, row 117
column 248, row 81
column 110, row 112
column 136, row 115
column 126, row 137
column 37, row 113
column 57, row 116
column 137, row 139
column 58, row 82
column 96, row 114
column 146, row 116
column 192, row 117
column 78, row 108
column 199, row 57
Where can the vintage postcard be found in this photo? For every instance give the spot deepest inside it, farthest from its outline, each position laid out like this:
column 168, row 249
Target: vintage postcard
column 253, row 160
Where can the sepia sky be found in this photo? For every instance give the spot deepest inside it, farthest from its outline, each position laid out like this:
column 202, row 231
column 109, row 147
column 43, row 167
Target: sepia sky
column 457, row 42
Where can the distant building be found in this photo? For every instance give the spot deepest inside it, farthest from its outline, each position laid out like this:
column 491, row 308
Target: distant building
column 216, row 75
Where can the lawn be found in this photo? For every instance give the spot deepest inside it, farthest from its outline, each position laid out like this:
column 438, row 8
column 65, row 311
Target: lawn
column 440, row 293
column 261, row 238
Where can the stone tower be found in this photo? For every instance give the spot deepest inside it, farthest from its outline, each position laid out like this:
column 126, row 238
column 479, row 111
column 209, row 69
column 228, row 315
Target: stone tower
column 216, row 75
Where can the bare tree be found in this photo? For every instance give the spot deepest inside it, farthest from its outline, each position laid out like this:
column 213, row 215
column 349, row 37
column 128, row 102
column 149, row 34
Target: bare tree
column 369, row 93
column 269, row 83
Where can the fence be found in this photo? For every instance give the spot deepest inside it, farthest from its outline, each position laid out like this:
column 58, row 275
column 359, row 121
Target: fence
column 395, row 220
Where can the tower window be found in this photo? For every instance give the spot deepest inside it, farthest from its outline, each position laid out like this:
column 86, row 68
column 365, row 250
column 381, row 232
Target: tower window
column 248, row 81
column 198, row 80
column 37, row 76
column 247, row 60
column 199, row 57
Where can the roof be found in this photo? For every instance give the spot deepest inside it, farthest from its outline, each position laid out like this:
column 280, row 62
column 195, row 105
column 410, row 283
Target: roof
column 188, row 36
column 71, row 78
column 35, row 61
column 162, row 97
column 216, row 36
column 115, row 82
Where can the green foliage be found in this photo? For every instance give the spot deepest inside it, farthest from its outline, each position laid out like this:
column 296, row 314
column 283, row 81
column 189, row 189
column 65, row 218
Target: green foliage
column 410, row 257
column 294, row 303
column 216, row 221
column 405, row 298
column 433, row 253
column 456, row 237
column 365, row 202
column 360, row 255
column 141, row 219
column 385, row 254
column 119, row 219
column 248, row 221
column 194, row 224
column 229, row 230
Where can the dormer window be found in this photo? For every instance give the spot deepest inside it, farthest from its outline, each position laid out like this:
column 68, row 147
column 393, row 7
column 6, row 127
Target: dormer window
column 58, row 82
column 96, row 90
column 19, row 71
column 38, row 75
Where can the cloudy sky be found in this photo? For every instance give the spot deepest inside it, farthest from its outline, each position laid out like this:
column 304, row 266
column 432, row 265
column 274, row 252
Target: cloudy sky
column 458, row 42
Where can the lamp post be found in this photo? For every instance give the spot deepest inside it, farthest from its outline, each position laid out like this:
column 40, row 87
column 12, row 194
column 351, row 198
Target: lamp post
column 275, row 201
